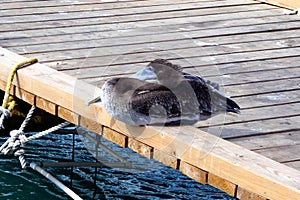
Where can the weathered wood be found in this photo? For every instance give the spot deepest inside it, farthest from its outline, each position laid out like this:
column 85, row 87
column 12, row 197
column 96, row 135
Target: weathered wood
column 46, row 105
column 185, row 48
column 128, row 13
column 281, row 153
column 169, row 32
column 275, row 98
column 259, row 127
column 193, row 172
column 38, row 4
column 68, row 115
column 24, row 95
column 165, row 158
column 115, row 136
column 268, row 140
column 267, row 87
column 208, row 58
column 91, row 125
column 249, row 115
column 140, row 24
column 141, row 148
column 244, row 194
column 222, row 184
column 88, row 6
column 294, row 164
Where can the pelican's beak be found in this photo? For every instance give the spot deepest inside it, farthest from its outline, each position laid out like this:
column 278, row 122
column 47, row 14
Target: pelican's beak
column 145, row 74
column 97, row 99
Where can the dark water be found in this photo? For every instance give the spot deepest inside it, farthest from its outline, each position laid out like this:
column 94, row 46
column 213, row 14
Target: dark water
column 151, row 181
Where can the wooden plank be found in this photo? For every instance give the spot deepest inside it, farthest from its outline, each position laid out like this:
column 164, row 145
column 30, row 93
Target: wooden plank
column 222, row 184
column 46, row 105
column 291, row 4
column 141, row 148
column 282, row 153
column 24, row 95
column 156, row 11
column 259, row 127
column 125, row 26
column 104, row 4
column 68, row 115
column 268, row 140
column 267, row 87
column 193, row 172
column 294, row 164
column 38, row 4
column 275, row 98
column 217, row 55
column 169, row 32
column 115, row 136
column 192, row 38
column 91, row 125
column 226, row 58
column 88, row 6
column 165, row 158
column 226, row 79
column 254, row 114
column 244, row 194
column 218, row 72
column 187, row 47
column 252, row 171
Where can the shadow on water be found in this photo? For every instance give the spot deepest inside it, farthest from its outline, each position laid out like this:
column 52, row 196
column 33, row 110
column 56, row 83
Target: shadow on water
column 160, row 182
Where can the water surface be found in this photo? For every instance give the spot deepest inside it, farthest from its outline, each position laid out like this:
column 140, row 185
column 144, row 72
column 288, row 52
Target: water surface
column 148, row 180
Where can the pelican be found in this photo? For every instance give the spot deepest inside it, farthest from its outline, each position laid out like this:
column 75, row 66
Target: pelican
column 162, row 94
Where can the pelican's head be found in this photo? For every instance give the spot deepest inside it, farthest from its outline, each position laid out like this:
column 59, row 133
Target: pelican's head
column 145, row 74
column 162, row 71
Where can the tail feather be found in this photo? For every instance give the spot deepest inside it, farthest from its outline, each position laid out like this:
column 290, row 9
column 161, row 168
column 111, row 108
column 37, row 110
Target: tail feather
column 232, row 106
column 222, row 103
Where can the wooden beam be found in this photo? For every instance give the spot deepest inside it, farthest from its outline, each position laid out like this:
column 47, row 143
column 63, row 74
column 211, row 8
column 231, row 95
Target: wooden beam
column 209, row 153
column 221, row 183
column 291, row 4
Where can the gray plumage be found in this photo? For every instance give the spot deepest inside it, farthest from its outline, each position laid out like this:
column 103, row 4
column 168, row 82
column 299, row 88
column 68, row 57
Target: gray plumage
column 163, row 94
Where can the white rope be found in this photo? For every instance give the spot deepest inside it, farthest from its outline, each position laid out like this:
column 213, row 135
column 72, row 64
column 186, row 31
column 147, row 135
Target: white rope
column 46, row 132
column 4, row 114
column 28, row 117
column 15, row 144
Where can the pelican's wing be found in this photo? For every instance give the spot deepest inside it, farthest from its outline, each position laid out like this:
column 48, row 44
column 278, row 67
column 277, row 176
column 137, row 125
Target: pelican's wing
column 151, row 94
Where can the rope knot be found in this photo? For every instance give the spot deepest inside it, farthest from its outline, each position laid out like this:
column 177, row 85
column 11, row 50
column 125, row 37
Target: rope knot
column 18, row 135
column 15, row 133
column 14, row 144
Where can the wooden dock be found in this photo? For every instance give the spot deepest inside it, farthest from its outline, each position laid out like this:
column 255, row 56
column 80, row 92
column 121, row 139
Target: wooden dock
column 251, row 48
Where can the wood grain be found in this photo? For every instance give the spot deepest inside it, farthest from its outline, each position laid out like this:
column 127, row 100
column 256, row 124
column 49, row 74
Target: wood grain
column 244, row 194
column 222, row 184
column 141, row 148
column 193, row 172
